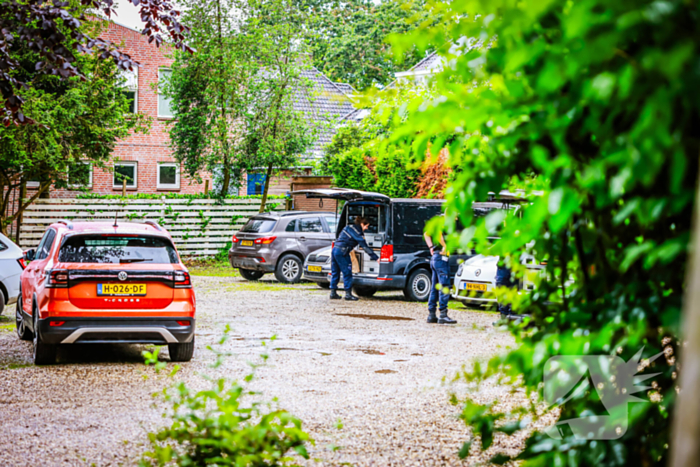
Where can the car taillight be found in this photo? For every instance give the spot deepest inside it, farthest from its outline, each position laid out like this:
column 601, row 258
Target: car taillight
column 183, row 323
column 22, row 262
column 234, row 239
column 387, row 254
column 182, row 280
column 265, row 240
column 57, row 278
column 57, row 323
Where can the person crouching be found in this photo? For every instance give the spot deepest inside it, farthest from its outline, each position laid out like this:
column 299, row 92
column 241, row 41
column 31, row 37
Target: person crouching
column 349, row 238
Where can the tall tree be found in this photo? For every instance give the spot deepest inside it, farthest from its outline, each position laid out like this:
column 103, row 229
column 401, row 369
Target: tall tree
column 234, row 98
column 208, row 91
column 76, row 120
column 54, row 33
column 350, row 43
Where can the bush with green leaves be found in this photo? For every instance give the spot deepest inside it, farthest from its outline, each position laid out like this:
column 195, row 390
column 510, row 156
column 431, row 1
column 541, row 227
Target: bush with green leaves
column 226, row 424
column 596, row 104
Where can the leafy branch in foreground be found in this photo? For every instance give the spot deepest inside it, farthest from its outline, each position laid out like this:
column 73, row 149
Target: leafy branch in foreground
column 226, row 424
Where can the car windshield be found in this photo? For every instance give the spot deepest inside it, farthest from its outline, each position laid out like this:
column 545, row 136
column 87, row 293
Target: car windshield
column 117, row 249
column 258, row 225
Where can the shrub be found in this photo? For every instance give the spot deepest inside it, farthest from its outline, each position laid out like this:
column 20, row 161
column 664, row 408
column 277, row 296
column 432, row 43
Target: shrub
column 226, row 424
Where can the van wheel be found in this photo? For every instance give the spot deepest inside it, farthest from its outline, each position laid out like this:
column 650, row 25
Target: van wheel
column 44, row 354
column 365, row 291
column 22, row 330
column 418, row 286
column 181, row 352
column 289, row 269
column 250, row 275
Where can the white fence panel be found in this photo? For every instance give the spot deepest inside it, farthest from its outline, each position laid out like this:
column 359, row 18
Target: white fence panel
column 199, row 227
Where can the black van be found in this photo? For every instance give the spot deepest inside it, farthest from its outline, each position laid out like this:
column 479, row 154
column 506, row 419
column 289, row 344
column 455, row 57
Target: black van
column 396, row 235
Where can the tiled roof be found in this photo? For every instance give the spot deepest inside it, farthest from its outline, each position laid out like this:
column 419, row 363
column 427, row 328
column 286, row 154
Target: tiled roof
column 325, row 102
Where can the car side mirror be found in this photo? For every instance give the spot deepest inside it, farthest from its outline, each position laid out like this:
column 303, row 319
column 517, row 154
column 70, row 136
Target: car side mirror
column 30, row 255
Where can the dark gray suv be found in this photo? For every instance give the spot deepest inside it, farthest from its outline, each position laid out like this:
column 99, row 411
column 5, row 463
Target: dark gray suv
column 279, row 242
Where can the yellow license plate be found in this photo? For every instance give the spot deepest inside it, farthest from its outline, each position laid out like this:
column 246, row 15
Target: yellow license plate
column 473, row 286
column 314, row 268
column 121, row 289
column 247, row 243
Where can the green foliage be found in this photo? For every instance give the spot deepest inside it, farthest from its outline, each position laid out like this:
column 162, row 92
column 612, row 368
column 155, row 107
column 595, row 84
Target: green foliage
column 350, row 38
column 226, row 424
column 76, row 119
column 594, row 103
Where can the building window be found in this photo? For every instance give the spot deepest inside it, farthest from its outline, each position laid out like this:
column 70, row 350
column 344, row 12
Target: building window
column 164, row 110
column 80, row 175
column 125, row 171
column 131, row 88
column 169, row 176
column 256, row 184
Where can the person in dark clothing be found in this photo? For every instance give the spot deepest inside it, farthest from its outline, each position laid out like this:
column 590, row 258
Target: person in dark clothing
column 440, row 267
column 504, row 279
column 349, row 238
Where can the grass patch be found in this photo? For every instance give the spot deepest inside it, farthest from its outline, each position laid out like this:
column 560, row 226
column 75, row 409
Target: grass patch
column 211, row 267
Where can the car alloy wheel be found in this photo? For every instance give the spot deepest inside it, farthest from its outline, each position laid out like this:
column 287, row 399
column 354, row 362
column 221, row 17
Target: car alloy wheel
column 22, row 330
column 290, row 269
column 44, row 354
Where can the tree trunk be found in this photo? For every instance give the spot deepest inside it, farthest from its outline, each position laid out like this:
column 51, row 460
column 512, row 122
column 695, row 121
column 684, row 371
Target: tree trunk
column 685, row 448
column 227, row 178
column 263, row 201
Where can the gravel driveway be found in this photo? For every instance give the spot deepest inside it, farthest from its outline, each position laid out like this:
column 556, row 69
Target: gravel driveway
column 375, row 365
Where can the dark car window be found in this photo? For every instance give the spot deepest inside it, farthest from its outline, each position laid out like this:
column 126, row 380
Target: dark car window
column 291, row 226
column 46, row 244
column 3, row 247
column 117, row 249
column 410, row 220
column 259, row 225
column 310, row 224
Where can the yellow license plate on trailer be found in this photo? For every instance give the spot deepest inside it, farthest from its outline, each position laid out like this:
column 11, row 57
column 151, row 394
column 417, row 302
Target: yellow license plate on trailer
column 314, row 269
column 473, row 286
column 121, row 289
column 247, row 243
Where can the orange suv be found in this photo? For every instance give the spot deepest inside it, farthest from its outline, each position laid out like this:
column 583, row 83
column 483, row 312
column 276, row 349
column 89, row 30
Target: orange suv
column 98, row 282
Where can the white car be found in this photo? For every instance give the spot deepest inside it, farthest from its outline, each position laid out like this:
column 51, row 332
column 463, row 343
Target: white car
column 477, row 276
column 11, row 266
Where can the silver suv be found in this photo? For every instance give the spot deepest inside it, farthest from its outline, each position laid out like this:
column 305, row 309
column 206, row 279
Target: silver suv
column 279, row 242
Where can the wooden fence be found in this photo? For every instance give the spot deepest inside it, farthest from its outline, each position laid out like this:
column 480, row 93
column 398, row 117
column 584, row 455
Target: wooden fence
column 199, row 227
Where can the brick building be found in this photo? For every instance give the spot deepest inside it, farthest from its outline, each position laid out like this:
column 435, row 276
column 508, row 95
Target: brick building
column 145, row 160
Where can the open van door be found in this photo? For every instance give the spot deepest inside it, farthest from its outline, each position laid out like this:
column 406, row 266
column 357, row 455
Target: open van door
column 343, row 194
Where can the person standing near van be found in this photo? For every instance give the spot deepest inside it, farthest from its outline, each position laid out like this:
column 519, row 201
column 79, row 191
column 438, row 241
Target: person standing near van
column 440, row 293
column 349, row 238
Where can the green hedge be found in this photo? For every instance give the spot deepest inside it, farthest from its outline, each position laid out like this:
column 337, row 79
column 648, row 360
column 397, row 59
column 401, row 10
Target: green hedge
column 387, row 172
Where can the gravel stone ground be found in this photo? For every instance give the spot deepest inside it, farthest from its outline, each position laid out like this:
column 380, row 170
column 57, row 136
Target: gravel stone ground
column 381, row 377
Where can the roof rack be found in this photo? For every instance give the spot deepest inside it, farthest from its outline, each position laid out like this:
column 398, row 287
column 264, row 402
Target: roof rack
column 155, row 224
column 65, row 222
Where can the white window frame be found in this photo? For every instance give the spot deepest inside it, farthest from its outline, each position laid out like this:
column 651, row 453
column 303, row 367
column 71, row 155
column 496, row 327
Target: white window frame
column 78, row 185
column 132, row 84
column 160, row 70
column 136, row 175
column 168, row 186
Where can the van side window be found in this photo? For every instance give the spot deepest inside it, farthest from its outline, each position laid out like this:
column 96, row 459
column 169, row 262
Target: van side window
column 410, row 220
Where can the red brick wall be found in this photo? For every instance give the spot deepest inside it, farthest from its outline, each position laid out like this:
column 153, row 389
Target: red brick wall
column 302, row 203
column 150, row 148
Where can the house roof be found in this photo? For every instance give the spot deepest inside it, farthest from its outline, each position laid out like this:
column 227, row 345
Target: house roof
column 326, row 103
